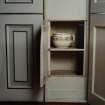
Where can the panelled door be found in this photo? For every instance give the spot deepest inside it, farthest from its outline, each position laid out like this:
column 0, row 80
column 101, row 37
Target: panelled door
column 19, row 57
column 96, row 94
column 97, row 6
column 20, row 26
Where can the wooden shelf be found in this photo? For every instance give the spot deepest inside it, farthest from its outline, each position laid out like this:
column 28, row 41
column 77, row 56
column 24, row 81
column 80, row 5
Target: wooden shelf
column 63, row 72
column 68, row 49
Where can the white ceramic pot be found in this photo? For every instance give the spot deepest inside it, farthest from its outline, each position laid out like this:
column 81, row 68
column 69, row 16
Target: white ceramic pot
column 62, row 40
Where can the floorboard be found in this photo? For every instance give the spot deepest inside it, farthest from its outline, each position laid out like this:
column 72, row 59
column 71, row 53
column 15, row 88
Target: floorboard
column 37, row 103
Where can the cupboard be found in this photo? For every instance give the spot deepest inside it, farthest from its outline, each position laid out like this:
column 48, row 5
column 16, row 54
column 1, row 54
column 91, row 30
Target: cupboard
column 62, row 82
column 63, row 70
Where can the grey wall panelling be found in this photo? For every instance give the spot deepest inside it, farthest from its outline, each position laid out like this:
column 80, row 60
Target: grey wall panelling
column 19, row 43
column 21, row 6
column 97, row 6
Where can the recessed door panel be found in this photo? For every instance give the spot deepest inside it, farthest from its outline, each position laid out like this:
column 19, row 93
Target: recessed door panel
column 20, row 54
column 19, row 51
column 99, row 63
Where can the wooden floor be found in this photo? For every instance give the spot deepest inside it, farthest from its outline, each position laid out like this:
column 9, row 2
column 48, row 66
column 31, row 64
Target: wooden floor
column 66, row 104
column 34, row 103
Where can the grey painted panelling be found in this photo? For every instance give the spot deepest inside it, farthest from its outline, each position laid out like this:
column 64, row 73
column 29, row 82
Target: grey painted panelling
column 19, row 24
column 18, row 1
column 97, row 6
column 21, row 6
column 66, row 9
column 65, row 89
column 99, row 88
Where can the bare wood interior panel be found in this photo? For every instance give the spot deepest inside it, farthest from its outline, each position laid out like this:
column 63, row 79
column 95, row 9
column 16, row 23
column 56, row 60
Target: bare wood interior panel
column 66, row 63
column 63, row 72
column 63, row 61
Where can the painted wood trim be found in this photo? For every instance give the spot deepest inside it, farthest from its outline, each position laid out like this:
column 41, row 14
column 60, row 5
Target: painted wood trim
column 69, row 49
column 8, row 2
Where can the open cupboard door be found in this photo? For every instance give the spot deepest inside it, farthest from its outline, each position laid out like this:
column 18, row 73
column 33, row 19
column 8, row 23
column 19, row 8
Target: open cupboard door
column 96, row 91
column 44, row 54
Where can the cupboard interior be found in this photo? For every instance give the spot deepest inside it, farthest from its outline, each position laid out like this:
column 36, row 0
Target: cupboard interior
column 66, row 63
column 76, row 28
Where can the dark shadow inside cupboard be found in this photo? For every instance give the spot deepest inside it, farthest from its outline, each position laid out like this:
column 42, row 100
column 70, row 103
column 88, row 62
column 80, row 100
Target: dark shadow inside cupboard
column 67, row 63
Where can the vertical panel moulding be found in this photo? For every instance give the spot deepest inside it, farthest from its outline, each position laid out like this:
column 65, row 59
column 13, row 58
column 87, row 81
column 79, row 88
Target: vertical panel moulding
column 87, row 8
column 85, row 49
column 8, row 52
column 94, row 58
column 49, row 45
column 85, row 54
column 41, row 57
column 45, row 9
